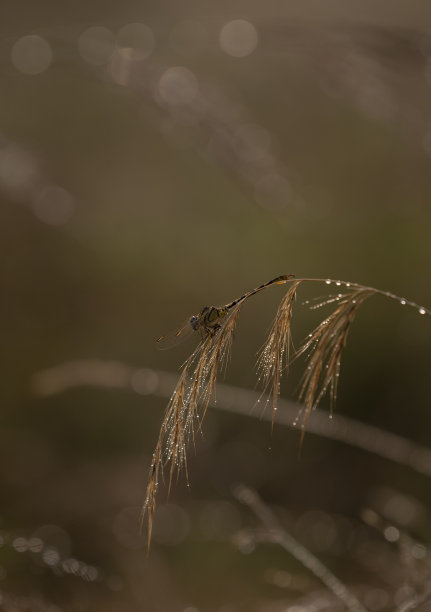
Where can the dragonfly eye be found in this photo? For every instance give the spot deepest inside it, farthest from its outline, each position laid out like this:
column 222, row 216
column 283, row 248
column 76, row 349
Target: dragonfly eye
column 194, row 322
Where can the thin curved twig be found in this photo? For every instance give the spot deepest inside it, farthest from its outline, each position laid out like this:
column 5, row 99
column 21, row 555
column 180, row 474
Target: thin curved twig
column 278, row 535
column 145, row 381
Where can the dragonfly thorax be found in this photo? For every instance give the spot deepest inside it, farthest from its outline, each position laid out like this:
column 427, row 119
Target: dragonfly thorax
column 211, row 319
column 208, row 320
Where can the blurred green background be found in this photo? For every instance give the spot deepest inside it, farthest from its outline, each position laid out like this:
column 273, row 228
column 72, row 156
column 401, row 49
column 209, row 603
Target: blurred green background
column 157, row 157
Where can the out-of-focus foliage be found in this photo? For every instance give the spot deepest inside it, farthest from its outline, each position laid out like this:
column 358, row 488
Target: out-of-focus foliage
column 157, row 158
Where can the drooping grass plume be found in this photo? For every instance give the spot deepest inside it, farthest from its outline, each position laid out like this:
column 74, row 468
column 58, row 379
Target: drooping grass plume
column 324, row 347
column 275, row 354
column 187, row 407
column 191, row 397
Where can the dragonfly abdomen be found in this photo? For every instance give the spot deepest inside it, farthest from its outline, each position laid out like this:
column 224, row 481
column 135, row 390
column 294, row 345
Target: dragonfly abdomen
column 275, row 281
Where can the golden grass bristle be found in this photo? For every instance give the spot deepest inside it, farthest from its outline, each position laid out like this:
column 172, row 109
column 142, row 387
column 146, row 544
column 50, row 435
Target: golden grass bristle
column 323, row 349
column 325, row 345
column 274, row 356
column 192, row 394
column 195, row 388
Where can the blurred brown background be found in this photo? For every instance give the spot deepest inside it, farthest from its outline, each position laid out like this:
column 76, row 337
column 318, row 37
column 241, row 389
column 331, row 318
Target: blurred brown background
column 156, row 157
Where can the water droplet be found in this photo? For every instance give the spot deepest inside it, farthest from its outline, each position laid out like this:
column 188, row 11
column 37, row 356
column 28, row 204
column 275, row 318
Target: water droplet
column 338, row 283
column 403, row 302
column 327, row 281
column 422, row 311
column 347, row 284
column 331, row 416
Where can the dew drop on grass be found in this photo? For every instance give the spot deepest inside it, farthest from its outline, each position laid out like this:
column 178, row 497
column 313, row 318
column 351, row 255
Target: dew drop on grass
column 422, row 311
column 328, row 282
column 403, row 302
column 338, row 283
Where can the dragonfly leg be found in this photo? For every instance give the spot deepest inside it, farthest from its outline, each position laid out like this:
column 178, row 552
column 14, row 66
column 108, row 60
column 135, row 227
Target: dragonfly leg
column 208, row 331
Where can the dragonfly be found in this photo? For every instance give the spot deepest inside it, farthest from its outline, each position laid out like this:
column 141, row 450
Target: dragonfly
column 210, row 318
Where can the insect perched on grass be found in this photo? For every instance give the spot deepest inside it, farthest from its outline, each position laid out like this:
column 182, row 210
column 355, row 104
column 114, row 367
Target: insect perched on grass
column 322, row 349
column 208, row 321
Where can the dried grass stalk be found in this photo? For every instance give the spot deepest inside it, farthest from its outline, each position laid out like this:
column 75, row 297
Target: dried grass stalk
column 274, row 356
column 324, row 347
column 187, row 406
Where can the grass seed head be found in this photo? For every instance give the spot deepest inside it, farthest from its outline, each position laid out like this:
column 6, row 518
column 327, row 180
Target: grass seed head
column 274, row 356
column 324, row 347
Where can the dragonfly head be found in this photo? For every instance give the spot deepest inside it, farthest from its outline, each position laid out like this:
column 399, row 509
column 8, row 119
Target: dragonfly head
column 195, row 321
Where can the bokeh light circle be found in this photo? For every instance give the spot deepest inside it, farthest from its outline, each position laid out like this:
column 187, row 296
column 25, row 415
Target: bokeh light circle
column 178, row 86
column 31, row 54
column 238, row 38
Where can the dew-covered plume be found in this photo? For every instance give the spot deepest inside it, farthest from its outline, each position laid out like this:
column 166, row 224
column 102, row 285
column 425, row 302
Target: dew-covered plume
column 274, row 356
column 322, row 348
column 187, row 407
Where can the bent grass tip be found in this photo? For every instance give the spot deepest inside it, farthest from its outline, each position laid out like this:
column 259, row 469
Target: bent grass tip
column 189, row 402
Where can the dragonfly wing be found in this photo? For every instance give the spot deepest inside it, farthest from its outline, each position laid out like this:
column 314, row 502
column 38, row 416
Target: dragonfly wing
column 175, row 337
